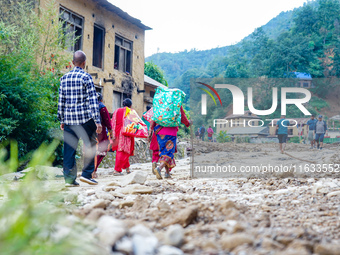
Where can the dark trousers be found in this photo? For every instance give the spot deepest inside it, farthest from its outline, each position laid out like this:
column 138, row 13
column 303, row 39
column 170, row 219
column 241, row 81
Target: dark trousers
column 72, row 134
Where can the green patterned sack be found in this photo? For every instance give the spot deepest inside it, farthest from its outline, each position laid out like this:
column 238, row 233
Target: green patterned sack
column 167, row 107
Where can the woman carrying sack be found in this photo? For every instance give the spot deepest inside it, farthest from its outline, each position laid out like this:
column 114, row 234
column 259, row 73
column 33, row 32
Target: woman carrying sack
column 122, row 144
column 167, row 138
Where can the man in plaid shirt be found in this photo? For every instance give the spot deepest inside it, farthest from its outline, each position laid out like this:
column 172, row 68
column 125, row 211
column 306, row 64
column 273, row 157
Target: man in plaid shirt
column 78, row 113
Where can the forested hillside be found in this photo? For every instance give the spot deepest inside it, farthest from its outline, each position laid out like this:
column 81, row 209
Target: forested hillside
column 176, row 64
column 304, row 40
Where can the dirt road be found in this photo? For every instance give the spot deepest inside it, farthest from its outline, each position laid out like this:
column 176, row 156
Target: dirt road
column 268, row 215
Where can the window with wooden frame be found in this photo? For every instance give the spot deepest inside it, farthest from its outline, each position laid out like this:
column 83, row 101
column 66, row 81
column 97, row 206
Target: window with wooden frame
column 290, row 131
column 73, row 26
column 98, row 89
column 98, row 46
column 123, row 55
column 118, row 98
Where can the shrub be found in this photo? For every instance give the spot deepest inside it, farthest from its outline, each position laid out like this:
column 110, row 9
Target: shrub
column 318, row 103
column 295, row 139
column 32, row 55
column 28, row 103
column 222, row 137
column 33, row 219
column 242, row 139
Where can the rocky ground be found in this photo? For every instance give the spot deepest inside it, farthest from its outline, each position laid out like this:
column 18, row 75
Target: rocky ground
column 138, row 214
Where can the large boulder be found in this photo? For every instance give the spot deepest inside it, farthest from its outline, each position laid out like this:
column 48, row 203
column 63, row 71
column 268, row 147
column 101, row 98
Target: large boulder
column 110, row 230
column 138, row 177
column 327, row 249
column 183, row 217
column 174, row 235
column 169, row 250
column 144, row 241
column 229, row 242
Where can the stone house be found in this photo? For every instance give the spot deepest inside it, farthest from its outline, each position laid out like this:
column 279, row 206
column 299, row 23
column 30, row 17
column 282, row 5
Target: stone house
column 113, row 42
column 298, row 126
column 304, row 80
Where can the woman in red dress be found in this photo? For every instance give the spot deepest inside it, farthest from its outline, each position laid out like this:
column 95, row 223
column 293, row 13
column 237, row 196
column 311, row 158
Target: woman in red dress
column 123, row 145
column 103, row 141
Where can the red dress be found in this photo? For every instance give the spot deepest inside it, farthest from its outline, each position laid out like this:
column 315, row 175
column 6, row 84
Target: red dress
column 103, row 140
column 123, row 145
column 155, row 148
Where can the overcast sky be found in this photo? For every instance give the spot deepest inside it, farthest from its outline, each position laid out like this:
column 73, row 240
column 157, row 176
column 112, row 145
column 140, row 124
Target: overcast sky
column 202, row 24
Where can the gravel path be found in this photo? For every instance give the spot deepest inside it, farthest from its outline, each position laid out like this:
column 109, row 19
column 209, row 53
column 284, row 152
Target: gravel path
column 215, row 215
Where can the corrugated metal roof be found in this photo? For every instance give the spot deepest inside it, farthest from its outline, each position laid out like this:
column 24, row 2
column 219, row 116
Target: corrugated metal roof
column 112, row 8
column 249, row 131
column 153, row 82
column 303, row 76
column 335, row 117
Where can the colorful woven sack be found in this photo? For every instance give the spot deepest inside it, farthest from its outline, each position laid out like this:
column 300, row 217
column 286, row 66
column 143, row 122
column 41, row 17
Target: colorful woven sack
column 148, row 115
column 167, row 107
column 133, row 125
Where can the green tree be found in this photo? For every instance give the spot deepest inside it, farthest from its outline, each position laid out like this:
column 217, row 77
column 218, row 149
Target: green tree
column 31, row 60
column 292, row 53
column 222, row 137
column 305, row 20
column 154, row 72
column 327, row 13
column 304, row 40
column 336, row 59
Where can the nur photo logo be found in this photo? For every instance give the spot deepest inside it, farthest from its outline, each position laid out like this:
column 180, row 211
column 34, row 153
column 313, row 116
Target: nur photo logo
column 238, row 99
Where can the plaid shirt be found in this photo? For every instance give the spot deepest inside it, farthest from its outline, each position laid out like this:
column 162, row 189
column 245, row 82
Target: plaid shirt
column 77, row 98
